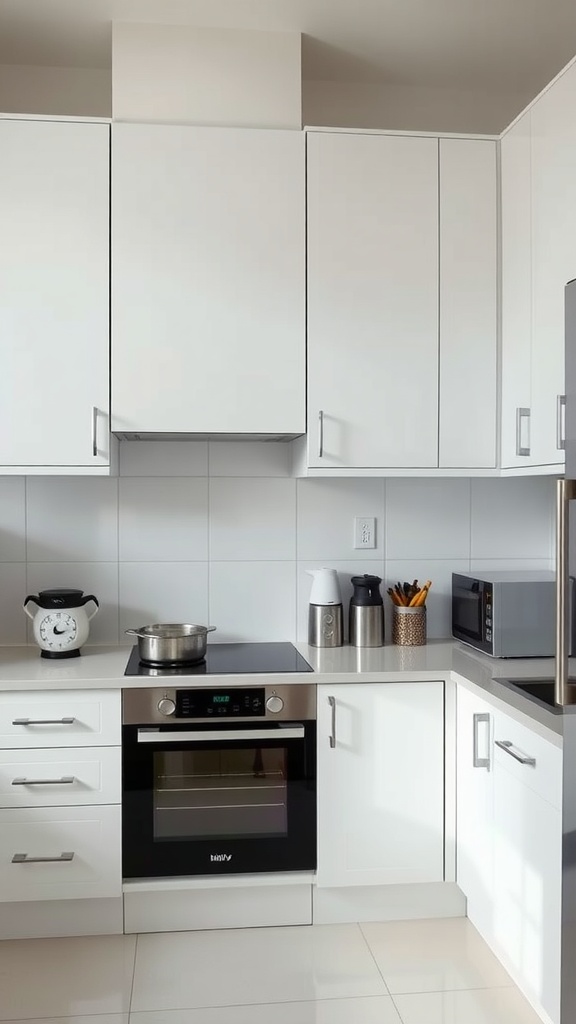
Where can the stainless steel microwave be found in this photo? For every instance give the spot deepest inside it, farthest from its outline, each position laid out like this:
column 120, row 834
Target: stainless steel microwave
column 506, row 614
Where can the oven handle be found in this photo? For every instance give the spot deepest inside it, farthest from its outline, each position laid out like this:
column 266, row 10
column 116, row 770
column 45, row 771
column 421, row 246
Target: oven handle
column 295, row 732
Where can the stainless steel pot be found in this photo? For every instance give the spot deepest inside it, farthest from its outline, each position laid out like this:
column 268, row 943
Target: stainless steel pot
column 173, row 643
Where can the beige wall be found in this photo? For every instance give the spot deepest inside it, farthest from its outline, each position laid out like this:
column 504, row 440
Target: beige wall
column 86, row 92
column 373, row 105
column 206, row 76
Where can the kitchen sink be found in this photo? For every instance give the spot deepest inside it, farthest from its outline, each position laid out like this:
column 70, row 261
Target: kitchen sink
column 541, row 691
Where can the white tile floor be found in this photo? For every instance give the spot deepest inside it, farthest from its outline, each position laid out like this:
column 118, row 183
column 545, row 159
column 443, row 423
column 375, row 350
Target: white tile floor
column 412, row 972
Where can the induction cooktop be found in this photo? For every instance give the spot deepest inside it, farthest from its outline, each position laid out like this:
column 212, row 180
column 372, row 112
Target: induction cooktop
column 228, row 659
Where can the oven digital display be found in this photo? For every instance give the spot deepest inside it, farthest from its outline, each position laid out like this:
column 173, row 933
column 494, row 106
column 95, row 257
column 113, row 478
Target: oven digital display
column 236, row 702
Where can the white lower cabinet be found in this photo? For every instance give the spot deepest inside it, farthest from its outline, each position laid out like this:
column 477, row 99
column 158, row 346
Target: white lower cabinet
column 474, row 806
column 380, row 783
column 60, row 811
column 56, row 853
column 509, row 844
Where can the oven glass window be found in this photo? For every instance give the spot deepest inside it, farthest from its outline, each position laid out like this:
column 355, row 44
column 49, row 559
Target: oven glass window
column 226, row 793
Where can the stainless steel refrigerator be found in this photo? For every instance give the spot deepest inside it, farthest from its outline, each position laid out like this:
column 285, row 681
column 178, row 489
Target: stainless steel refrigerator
column 565, row 668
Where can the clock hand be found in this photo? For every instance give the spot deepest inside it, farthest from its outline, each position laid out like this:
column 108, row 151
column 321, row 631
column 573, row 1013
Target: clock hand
column 59, row 632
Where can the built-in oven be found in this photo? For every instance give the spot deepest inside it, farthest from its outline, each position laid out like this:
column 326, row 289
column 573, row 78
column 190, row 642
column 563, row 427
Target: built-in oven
column 219, row 779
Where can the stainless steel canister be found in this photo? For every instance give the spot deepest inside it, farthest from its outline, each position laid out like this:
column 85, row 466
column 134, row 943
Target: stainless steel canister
column 366, row 625
column 325, row 625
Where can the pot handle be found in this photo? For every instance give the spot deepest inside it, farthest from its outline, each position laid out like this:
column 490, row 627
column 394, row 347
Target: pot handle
column 210, row 629
column 134, row 632
column 90, row 597
column 34, row 599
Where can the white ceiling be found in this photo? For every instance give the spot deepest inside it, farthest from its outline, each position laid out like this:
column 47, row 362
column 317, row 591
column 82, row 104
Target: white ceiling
column 492, row 45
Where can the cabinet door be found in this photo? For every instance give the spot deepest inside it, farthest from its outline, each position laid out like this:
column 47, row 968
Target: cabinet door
column 474, row 810
column 372, row 301
column 468, row 303
column 54, row 298
column 516, row 200
column 554, row 255
column 527, row 888
column 208, row 327
column 381, row 783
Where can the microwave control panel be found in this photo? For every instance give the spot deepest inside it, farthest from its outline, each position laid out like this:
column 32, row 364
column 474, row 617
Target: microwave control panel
column 230, row 702
column 488, row 612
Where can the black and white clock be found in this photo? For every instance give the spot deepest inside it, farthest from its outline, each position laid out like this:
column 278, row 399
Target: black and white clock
column 60, row 622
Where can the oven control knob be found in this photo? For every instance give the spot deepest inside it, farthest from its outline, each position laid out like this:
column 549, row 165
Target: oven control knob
column 274, row 704
column 166, row 706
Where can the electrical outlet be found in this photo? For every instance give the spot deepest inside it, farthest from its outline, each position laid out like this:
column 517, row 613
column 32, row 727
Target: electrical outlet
column 364, row 532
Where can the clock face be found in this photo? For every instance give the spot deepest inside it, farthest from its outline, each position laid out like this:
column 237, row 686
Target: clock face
column 57, row 631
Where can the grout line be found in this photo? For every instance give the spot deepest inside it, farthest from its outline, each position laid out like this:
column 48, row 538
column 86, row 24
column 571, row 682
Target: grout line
column 133, row 975
column 370, row 950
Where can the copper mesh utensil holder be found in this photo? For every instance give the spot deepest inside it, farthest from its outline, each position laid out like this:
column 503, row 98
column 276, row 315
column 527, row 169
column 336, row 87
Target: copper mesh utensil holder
column 409, row 626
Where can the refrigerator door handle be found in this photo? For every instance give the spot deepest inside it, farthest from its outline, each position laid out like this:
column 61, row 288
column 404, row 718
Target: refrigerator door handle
column 565, row 492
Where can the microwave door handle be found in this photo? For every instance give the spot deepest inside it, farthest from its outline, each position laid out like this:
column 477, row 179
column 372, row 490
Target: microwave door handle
column 291, row 732
column 565, row 492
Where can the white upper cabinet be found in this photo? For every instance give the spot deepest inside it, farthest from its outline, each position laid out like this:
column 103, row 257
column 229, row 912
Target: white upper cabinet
column 54, row 295
column 516, row 200
column 553, row 256
column 468, row 303
column 372, row 301
column 208, row 330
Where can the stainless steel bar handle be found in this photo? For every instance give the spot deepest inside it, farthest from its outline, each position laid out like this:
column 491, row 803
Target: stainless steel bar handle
column 332, row 703
column 321, row 434
column 43, row 721
column 94, row 431
column 66, row 780
column 522, row 414
column 561, row 422
column 23, row 858
column 477, row 761
column 214, row 736
column 565, row 492
column 508, row 747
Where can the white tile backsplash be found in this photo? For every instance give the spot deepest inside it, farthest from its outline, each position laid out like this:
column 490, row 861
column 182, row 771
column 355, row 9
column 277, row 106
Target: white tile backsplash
column 12, row 519
column 253, row 600
column 326, row 512
column 427, row 518
column 72, row 519
column 512, row 518
column 163, row 519
column 164, row 458
column 252, row 518
column 249, row 458
column 219, row 533
column 162, row 592
column 12, row 593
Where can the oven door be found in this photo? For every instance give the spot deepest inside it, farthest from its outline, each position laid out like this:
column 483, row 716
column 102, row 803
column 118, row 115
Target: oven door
column 201, row 800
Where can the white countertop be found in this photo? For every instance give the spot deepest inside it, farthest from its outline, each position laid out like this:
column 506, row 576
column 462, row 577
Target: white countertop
column 22, row 668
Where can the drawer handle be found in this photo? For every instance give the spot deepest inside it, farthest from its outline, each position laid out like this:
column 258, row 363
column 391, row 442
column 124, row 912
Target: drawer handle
column 66, row 780
column 43, row 721
column 508, row 747
column 23, row 858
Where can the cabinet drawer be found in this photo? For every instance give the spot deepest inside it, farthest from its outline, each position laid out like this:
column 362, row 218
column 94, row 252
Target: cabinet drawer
column 60, row 777
column 60, row 718
column 544, row 775
column 82, row 849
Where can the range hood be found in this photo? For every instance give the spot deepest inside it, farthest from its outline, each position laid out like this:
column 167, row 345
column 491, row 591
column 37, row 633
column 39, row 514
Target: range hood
column 166, row 436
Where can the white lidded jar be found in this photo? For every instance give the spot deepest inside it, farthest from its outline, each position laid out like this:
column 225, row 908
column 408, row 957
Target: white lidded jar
column 325, row 611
